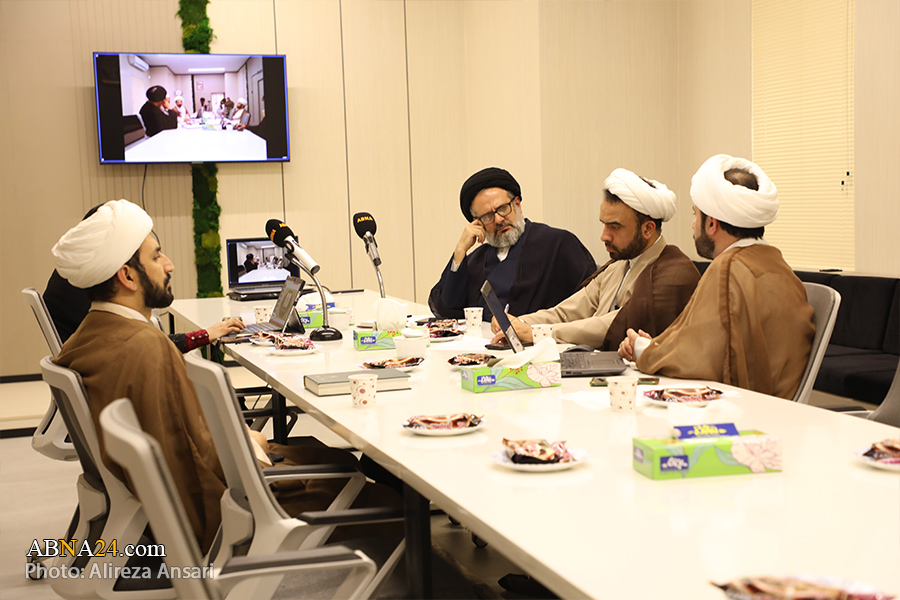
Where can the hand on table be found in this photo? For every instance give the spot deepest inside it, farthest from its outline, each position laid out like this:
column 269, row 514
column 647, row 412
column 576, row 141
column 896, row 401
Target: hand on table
column 626, row 348
column 523, row 330
column 224, row 327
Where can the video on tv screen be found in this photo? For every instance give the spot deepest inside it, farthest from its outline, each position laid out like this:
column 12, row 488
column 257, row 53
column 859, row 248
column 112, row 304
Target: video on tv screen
column 172, row 108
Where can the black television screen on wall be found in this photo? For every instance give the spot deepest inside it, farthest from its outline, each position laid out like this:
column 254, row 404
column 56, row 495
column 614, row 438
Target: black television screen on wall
column 191, row 108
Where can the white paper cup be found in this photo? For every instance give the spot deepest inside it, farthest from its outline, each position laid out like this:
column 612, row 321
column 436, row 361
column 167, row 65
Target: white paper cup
column 409, row 347
column 263, row 313
column 362, row 390
column 474, row 315
column 541, row 331
column 622, row 392
column 339, row 318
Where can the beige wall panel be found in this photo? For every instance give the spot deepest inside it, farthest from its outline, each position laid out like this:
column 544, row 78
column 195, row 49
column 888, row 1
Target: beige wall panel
column 315, row 180
column 50, row 169
column 609, row 99
column 714, row 95
column 877, row 134
column 503, row 95
column 438, row 133
column 249, row 193
column 378, row 139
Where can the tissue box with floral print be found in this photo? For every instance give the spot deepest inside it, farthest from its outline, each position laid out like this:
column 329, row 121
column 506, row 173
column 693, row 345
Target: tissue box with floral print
column 499, row 379
column 749, row 452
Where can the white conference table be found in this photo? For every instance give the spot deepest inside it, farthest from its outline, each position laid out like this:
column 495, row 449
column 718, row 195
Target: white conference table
column 194, row 144
column 602, row 530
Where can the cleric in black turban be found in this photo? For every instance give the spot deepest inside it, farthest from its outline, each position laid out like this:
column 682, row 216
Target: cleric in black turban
column 156, row 94
column 492, row 177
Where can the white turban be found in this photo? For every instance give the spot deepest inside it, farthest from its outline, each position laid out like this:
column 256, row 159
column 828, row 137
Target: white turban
column 734, row 204
column 177, row 98
column 242, row 101
column 658, row 202
column 92, row 251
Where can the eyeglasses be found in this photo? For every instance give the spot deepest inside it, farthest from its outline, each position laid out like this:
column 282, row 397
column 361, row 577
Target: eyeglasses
column 502, row 210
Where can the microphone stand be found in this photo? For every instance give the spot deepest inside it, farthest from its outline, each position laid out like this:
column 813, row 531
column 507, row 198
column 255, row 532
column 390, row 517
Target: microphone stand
column 380, row 281
column 325, row 333
column 377, row 268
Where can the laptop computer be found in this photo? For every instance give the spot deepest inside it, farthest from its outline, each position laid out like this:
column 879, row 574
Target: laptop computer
column 283, row 318
column 574, row 364
column 256, row 268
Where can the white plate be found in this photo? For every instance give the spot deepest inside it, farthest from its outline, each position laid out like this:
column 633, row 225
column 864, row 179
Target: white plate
column 503, row 460
column 874, row 463
column 376, row 369
column 444, row 432
column 668, row 404
column 259, row 342
column 441, row 340
column 292, row 352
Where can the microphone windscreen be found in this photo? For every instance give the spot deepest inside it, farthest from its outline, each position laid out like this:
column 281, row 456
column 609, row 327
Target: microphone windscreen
column 364, row 223
column 278, row 231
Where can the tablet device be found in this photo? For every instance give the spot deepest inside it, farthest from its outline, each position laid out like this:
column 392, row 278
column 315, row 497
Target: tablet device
column 487, row 292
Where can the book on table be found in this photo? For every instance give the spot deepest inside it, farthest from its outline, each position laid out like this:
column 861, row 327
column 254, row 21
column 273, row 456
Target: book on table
column 330, row 384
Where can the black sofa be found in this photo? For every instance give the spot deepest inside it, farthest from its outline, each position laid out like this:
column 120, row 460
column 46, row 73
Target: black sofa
column 864, row 350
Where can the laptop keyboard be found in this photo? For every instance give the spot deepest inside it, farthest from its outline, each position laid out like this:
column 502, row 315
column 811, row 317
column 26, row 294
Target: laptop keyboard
column 576, row 360
column 257, row 327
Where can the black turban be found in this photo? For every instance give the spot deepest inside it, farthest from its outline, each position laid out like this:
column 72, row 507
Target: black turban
column 492, row 177
column 156, row 94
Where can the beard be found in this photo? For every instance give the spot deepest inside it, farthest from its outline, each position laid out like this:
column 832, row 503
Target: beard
column 634, row 248
column 705, row 246
column 156, row 296
column 508, row 239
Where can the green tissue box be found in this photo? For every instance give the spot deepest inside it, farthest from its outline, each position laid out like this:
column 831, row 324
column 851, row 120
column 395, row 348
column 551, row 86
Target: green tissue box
column 748, row 452
column 311, row 319
column 374, row 340
column 499, row 379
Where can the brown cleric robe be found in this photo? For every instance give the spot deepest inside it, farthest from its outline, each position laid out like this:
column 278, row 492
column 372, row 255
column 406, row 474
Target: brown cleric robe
column 120, row 356
column 653, row 292
column 748, row 324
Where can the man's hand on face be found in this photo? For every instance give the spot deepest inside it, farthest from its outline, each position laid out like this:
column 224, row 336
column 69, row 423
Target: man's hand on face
column 474, row 232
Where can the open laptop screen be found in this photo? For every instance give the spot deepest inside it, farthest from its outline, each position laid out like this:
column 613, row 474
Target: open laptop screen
column 256, row 262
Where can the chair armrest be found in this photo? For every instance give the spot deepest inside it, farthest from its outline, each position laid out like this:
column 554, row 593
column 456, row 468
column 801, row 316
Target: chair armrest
column 352, row 516
column 241, row 565
column 323, row 471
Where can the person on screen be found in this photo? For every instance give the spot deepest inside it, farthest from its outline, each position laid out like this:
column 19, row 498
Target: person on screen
column 155, row 115
column 645, row 284
column 204, row 107
column 69, row 305
column 250, row 264
column 181, row 110
column 114, row 255
column 748, row 323
column 241, row 118
column 530, row 265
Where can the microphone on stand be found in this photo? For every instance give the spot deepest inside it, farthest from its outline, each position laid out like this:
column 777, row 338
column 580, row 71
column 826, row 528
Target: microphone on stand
column 282, row 235
column 365, row 227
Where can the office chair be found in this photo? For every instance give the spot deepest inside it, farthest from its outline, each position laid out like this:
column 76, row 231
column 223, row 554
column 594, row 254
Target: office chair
column 107, row 509
column 142, row 458
column 50, row 437
column 825, row 302
column 253, row 523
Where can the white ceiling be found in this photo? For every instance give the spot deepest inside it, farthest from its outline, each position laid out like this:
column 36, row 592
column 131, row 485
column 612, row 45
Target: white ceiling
column 180, row 63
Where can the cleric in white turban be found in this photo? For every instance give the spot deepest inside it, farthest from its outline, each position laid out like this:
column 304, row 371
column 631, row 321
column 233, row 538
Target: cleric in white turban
column 92, row 251
column 748, row 324
column 645, row 284
column 732, row 203
column 646, row 196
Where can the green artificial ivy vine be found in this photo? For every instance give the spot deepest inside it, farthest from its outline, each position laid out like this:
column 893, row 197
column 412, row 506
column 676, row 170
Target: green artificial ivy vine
column 196, row 36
